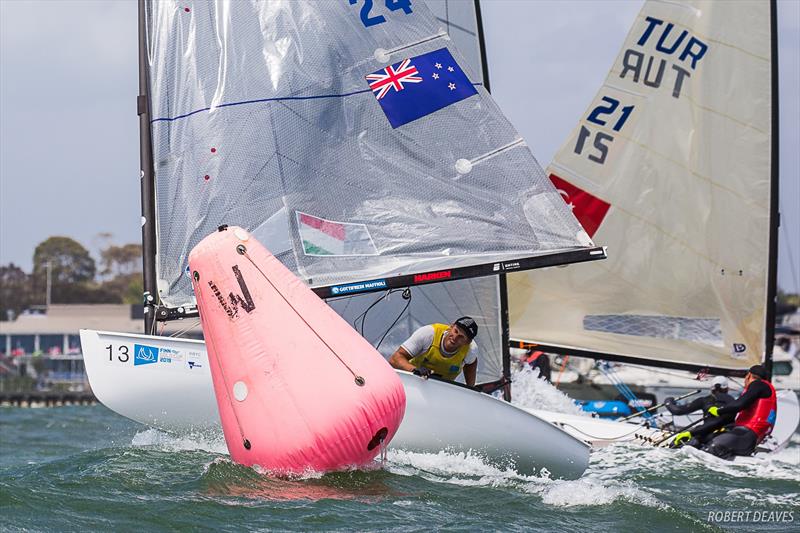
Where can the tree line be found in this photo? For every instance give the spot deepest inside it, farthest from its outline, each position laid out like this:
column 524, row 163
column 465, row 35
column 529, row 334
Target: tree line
column 75, row 277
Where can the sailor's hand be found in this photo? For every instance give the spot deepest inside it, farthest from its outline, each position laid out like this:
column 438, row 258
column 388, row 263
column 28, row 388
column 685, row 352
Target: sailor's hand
column 669, row 400
column 713, row 410
column 680, row 438
column 422, row 372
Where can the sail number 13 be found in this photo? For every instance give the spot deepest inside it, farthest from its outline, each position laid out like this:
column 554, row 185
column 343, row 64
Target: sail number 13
column 602, row 115
column 392, row 5
column 122, row 353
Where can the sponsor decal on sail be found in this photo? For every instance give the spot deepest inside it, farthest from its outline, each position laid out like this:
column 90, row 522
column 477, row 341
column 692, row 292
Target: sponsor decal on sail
column 589, row 210
column 361, row 286
column 432, row 276
column 328, row 237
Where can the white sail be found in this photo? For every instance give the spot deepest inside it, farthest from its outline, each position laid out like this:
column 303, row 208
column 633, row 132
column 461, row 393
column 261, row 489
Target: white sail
column 670, row 167
column 263, row 116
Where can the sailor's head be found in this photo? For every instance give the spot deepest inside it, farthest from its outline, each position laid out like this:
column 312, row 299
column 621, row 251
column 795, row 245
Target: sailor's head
column 719, row 384
column 461, row 333
column 755, row 372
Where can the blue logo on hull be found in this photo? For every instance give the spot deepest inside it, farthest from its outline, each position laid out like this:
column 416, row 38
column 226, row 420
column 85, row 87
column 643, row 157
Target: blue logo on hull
column 144, row 355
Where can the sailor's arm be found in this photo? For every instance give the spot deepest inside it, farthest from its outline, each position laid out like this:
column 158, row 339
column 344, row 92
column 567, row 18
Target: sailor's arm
column 470, row 371
column 401, row 360
column 678, row 409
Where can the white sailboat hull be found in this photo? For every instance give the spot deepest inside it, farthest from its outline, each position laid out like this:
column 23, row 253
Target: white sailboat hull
column 600, row 432
column 175, row 394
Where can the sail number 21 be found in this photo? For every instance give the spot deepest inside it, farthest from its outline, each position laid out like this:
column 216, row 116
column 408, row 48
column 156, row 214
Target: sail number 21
column 391, row 5
column 602, row 115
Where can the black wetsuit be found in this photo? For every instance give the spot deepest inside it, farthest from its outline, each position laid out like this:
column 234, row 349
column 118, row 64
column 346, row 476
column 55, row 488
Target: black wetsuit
column 738, row 440
column 543, row 364
column 704, row 431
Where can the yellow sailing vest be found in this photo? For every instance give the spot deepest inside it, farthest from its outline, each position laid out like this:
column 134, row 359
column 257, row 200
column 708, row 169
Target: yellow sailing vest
column 435, row 360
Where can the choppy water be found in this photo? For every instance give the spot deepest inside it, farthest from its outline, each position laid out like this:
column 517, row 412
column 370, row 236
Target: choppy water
column 86, row 468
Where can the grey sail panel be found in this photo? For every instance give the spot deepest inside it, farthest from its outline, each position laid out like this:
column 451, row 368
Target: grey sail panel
column 262, row 118
column 391, row 319
column 460, row 21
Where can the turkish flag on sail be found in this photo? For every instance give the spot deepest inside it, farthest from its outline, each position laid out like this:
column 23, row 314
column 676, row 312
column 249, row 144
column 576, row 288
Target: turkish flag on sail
column 589, row 210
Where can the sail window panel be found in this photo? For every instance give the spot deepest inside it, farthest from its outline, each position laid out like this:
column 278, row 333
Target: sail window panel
column 271, row 118
column 703, row 330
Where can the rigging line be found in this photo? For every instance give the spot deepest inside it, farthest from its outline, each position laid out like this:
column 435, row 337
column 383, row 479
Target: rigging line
column 184, row 330
column 597, row 437
column 300, row 316
column 364, row 320
column 363, row 316
column 395, row 320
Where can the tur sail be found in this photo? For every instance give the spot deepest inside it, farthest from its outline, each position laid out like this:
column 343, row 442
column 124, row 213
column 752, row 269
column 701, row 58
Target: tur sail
column 673, row 167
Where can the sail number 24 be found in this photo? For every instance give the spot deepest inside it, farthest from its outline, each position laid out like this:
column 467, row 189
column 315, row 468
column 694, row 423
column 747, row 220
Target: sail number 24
column 602, row 115
column 392, row 5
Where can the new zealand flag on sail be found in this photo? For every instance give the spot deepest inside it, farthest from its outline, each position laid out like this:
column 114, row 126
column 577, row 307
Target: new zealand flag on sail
column 418, row 86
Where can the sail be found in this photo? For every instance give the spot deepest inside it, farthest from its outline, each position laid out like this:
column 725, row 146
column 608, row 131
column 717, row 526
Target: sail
column 670, row 167
column 386, row 320
column 462, row 22
column 263, row 116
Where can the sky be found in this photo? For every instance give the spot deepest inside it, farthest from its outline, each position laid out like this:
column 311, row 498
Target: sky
column 69, row 162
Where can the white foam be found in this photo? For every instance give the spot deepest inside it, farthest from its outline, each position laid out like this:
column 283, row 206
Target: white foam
column 759, row 497
column 591, row 492
column 528, row 390
column 469, row 469
column 172, row 443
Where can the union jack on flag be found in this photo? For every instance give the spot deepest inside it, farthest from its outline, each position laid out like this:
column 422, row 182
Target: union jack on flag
column 393, row 78
column 444, row 84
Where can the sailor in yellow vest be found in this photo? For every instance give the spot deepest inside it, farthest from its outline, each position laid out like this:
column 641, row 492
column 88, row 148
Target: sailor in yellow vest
column 441, row 350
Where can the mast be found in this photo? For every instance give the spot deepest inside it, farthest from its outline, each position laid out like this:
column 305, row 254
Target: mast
column 772, row 267
column 147, row 179
column 505, row 326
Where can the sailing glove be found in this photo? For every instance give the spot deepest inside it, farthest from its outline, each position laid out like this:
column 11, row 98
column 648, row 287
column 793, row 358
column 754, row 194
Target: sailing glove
column 681, row 437
column 713, row 410
column 422, row 372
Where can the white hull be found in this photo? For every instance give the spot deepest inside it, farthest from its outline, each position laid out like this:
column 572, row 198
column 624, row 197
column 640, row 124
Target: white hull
column 175, row 394
column 600, row 432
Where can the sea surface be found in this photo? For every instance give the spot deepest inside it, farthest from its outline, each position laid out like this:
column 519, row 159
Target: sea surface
column 87, row 469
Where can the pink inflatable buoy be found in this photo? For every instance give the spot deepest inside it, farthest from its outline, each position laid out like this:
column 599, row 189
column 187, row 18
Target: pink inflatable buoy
column 297, row 388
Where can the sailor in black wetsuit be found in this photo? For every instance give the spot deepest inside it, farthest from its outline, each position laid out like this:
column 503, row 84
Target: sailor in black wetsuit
column 757, row 410
column 698, row 436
